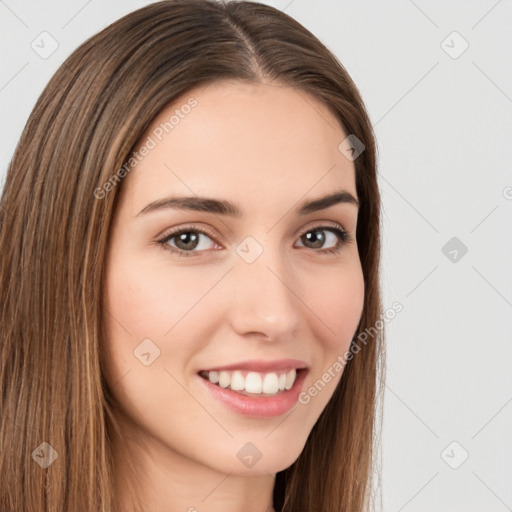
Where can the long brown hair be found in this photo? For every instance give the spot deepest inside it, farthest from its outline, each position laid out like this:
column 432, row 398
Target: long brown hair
column 54, row 236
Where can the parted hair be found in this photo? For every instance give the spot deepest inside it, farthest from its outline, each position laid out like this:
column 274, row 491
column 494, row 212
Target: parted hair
column 54, row 235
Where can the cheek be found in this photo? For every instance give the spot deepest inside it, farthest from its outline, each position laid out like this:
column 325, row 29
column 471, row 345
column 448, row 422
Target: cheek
column 150, row 299
column 337, row 304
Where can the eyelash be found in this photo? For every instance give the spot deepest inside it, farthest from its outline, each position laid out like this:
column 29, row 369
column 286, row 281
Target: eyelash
column 343, row 238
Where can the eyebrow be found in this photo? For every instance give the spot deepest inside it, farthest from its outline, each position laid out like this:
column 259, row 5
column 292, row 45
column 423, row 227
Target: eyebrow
column 223, row 207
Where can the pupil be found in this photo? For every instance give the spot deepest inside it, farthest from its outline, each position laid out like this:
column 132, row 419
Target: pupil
column 316, row 237
column 186, row 238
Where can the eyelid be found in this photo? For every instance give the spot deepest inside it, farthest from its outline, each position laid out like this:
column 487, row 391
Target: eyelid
column 324, row 224
column 185, row 228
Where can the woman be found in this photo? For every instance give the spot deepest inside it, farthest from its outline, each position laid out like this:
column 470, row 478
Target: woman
column 233, row 378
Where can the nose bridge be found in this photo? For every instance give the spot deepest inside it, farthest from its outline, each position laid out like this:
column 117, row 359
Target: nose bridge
column 264, row 300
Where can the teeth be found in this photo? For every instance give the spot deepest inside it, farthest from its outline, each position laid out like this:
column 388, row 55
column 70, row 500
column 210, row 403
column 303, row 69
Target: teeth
column 253, row 382
column 290, row 379
column 224, row 379
column 271, row 383
column 237, row 381
column 282, row 381
column 214, row 377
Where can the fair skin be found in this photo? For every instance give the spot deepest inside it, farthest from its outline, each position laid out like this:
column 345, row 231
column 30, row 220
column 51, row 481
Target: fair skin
column 268, row 149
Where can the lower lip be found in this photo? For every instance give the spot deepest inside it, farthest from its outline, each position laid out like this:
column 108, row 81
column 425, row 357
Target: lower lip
column 258, row 407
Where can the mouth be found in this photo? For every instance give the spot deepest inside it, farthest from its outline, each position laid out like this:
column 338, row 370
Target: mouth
column 270, row 392
column 252, row 383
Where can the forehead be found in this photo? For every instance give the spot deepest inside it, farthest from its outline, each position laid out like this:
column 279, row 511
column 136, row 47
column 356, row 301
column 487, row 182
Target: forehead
column 253, row 143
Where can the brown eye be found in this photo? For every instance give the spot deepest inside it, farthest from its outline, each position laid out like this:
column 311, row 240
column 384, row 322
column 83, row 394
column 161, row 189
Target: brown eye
column 193, row 241
column 317, row 238
column 188, row 242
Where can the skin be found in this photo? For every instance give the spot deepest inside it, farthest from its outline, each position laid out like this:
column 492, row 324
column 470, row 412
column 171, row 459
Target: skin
column 267, row 148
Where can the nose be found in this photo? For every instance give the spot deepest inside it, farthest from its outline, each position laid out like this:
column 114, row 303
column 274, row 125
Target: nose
column 264, row 302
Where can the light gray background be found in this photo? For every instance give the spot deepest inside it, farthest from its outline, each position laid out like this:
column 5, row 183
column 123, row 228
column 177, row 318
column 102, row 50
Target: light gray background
column 444, row 128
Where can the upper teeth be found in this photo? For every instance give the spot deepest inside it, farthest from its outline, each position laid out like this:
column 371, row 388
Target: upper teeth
column 253, row 382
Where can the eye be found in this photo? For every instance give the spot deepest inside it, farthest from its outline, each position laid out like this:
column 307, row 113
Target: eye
column 187, row 241
column 191, row 241
column 335, row 239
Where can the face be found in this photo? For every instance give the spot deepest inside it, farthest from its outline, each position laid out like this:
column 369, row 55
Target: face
column 195, row 292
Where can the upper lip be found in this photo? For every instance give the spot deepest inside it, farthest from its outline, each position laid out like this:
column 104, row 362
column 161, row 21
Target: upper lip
column 262, row 366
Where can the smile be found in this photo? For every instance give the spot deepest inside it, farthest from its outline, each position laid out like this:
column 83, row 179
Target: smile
column 252, row 383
